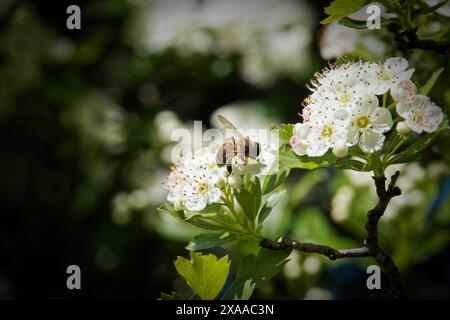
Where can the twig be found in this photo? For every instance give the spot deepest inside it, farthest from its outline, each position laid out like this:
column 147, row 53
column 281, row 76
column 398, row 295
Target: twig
column 331, row 253
column 371, row 247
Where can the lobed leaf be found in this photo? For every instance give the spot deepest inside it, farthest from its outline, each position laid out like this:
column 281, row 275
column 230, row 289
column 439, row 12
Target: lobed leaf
column 205, row 274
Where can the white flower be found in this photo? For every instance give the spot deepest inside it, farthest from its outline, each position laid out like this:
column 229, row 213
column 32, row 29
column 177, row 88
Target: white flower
column 201, row 193
column 388, row 75
column 192, row 184
column 324, row 135
column 420, row 113
column 403, row 90
column 368, row 123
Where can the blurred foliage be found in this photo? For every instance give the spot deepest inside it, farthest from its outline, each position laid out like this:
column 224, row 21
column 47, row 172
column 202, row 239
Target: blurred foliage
column 86, row 118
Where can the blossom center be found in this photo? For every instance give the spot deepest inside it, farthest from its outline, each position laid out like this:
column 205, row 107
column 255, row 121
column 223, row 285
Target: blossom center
column 419, row 117
column 383, row 75
column 327, row 131
column 203, row 187
column 345, row 98
column 362, row 122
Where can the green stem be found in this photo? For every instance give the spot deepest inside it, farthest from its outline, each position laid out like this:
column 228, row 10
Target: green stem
column 397, row 143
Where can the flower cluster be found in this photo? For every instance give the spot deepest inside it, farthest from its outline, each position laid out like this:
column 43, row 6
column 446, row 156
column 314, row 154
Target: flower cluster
column 344, row 109
column 193, row 182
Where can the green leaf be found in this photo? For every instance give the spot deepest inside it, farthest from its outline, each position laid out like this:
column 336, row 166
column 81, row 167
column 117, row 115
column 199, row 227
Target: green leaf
column 288, row 159
column 413, row 151
column 247, row 291
column 209, row 240
column 192, row 217
column 272, row 200
column 352, row 165
column 355, row 24
column 204, row 273
column 209, row 211
column 426, row 88
column 264, row 266
column 285, row 132
column 429, row 9
column 339, row 9
column 239, row 290
column 273, row 181
column 202, row 223
column 250, row 199
column 173, row 296
column 169, row 209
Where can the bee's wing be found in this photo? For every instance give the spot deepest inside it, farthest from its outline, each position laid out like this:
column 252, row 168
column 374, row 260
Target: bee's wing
column 227, row 124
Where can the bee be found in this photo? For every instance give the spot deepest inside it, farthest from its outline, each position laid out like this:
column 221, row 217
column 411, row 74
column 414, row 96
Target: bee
column 237, row 145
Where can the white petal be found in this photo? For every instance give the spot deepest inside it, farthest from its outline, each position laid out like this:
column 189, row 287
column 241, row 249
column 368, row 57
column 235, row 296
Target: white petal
column 393, row 66
column 339, row 136
column 371, row 141
column 340, row 117
column 300, row 148
column 195, row 203
column 414, row 126
column 352, row 136
column 405, row 75
column 214, row 195
column 380, row 87
column 371, row 104
column 435, row 117
column 317, row 149
column 403, row 90
column 401, row 108
column 383, row 121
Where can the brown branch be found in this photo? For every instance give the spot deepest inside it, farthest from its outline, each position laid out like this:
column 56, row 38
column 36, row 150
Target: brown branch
column 371, row 247
column 331, row 253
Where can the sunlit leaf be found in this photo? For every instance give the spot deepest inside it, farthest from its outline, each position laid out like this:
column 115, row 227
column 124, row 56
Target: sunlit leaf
column 205, row 274
column 285, row 131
